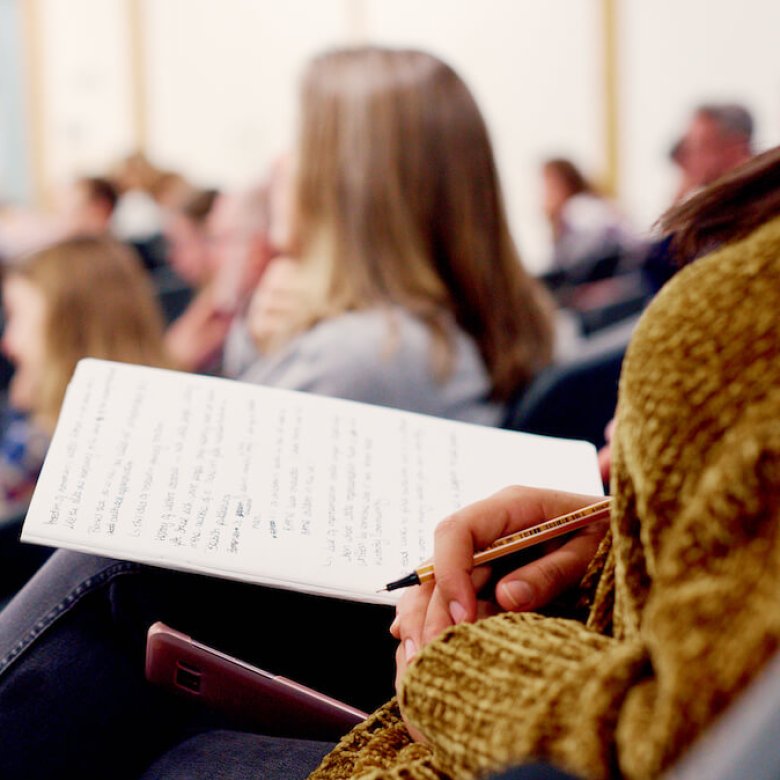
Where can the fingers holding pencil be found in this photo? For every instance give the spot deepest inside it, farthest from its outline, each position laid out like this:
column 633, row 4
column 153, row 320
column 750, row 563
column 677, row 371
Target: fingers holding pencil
column 425, row 611
column 479, row 525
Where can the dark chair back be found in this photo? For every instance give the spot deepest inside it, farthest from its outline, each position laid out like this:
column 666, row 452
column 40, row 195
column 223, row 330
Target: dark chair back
column 574, row 401
column 173, row 293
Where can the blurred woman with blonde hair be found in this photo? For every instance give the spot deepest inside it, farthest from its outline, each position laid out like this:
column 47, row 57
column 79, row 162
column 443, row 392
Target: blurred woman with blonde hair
column 83, row 297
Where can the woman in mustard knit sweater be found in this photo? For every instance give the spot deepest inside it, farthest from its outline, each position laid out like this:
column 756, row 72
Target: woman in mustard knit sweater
column 682, row 600
column 684, row 594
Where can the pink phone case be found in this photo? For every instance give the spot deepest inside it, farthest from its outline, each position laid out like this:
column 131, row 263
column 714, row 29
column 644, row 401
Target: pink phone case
column 251, row 697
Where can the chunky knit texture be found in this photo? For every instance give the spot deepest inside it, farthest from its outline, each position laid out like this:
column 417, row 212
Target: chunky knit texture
column 686, row 609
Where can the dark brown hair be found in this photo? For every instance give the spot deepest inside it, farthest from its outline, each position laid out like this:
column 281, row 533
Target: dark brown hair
column 569, row 174
column 727, row 210
column 100, row 189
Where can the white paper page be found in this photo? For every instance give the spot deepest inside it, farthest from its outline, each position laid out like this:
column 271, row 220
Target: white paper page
column 272, row 486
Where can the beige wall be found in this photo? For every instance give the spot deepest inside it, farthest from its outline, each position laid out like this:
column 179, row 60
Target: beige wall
column 85, row 111
column 221, row 77
column 219, row 81
column 677, row 53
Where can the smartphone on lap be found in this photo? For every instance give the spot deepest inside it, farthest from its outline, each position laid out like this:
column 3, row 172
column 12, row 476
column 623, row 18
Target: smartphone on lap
column 252, row 698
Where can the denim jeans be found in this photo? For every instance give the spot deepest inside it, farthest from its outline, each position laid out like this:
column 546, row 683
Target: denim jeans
column 73, row 698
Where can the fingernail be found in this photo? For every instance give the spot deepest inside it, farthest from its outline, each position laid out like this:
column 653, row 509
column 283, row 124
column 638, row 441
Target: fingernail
column 519, row 593
column 410, row 649
column 457, row 612
column 394, row 624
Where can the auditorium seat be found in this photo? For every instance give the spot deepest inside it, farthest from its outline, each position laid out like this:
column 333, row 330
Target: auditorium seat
column 574, row 400
column 173, row 293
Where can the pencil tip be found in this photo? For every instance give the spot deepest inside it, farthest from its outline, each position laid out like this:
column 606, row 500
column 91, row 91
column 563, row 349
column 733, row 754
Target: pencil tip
column 382, row 590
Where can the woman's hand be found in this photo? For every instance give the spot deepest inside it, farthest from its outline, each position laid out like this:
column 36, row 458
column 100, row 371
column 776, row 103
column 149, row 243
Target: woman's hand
column 426, row 610
column 277, row 301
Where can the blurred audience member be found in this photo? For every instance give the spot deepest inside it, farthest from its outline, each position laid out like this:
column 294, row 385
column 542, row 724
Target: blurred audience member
column 169, row 189
column 187, row 239
column 87, row 206
column 83, row 297
column 718, row 138
column 138, row 216
column 717, row 141
column 236, row 230
column 391, row 243
column 586, row 227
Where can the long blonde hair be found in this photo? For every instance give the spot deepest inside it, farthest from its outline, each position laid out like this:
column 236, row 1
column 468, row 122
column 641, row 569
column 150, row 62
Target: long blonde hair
column 397, row 201
column 99, row 303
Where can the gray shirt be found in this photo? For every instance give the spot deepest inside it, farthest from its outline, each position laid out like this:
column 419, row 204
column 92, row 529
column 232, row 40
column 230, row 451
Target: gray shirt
column 382, row 357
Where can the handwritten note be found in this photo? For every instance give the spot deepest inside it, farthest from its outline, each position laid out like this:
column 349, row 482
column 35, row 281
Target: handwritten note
column 270, row 486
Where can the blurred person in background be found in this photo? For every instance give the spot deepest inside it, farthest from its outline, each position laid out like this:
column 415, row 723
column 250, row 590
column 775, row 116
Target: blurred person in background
column 718, row 138
column 586, row 227
column 169, row 189
column 146, row 192
column 87, row 207
column 82, row 297
column 138, row 217
column 187, row 239
column 236, row 254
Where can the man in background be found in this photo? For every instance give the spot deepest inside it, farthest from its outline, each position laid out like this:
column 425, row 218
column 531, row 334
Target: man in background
column 718, row 138
column 211, row 335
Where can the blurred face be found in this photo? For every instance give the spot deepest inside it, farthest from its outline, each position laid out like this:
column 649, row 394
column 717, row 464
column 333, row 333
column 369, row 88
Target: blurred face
column 79, row 214
column 555, row 192
column 706, row 152
column 24, row 339
column 188, row 250
column 238, row 253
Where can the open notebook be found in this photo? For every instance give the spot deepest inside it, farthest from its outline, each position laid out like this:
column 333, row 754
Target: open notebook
column 287, row 489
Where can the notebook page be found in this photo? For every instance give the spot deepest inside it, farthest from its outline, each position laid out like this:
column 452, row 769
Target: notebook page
column 271, row 486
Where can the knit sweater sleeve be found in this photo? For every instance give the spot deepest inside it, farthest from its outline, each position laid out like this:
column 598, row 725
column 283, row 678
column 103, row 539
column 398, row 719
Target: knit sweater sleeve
column 518, row 687
column 473, row 688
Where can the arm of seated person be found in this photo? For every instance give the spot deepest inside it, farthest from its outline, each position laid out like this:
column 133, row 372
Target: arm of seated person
column 198, row 334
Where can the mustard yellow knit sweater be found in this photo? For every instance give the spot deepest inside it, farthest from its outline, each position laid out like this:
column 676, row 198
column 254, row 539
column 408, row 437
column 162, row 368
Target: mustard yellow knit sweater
column 686, row 608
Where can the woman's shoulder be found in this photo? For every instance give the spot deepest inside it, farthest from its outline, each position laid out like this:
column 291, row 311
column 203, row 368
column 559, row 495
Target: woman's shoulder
column 382, row 356
column 388, row 339
column 370, row 331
